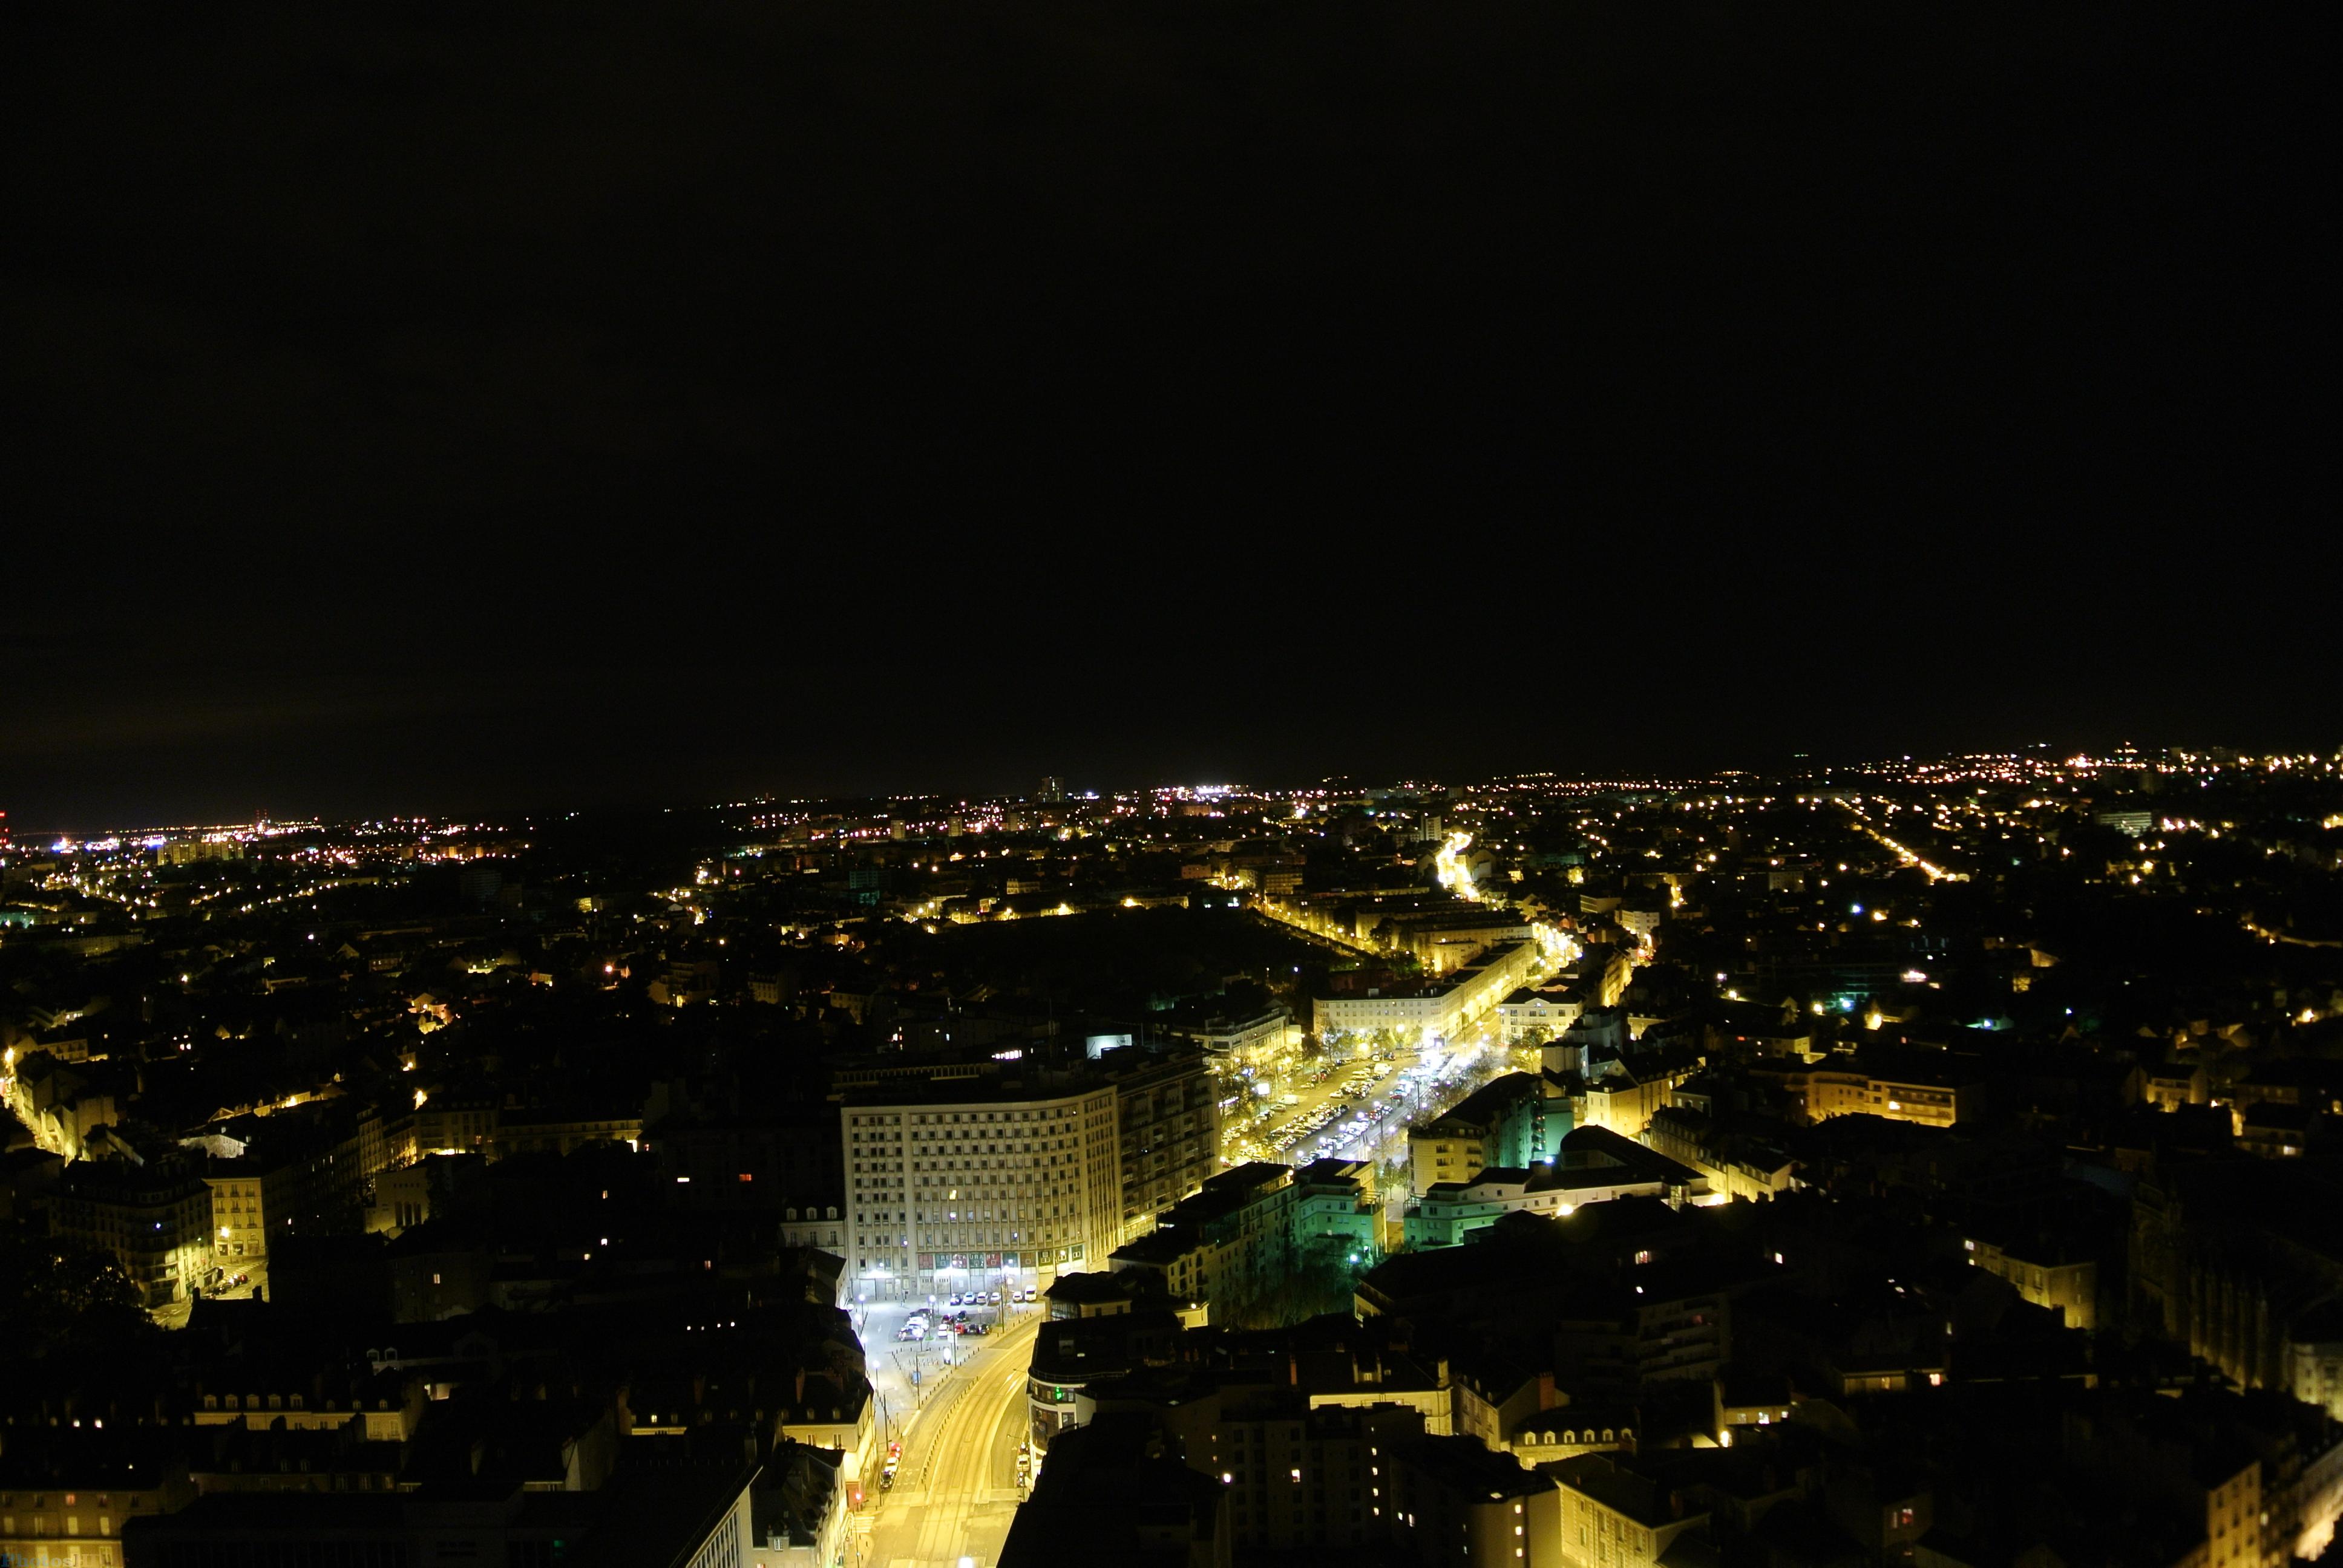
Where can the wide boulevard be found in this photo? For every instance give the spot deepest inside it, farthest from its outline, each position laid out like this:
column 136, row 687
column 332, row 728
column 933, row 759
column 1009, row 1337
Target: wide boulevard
column 956, row 1490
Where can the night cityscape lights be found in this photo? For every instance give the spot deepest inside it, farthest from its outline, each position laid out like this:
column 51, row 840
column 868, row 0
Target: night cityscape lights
column 1388, row 1173
column 1354, row 784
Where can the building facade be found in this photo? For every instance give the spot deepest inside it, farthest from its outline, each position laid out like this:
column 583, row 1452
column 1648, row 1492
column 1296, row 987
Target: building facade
column 156, row 1222
column 1167, row 1115
column 950, row 1184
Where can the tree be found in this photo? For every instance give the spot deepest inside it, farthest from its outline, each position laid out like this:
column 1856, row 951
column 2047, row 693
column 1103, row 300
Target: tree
column 56, row 1295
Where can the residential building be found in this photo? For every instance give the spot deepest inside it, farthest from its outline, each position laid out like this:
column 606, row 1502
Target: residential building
column 1453, row 1500
column 1230, row 1242
column 559, row 1129
column 1739, row 1167
column 1623, row 1091
column 1241, row 1039
column 799, row 1512
column 1512, row 1120
column 1167, row 1115
column 155, row 1218
column 1250, row 1229
column 1533, row 1017
column 1593, row 1165
column 1335, row 1216
column 1114, row 1492
column 1928, row 1094
column 66, row 1493
column 1302, row 1476
column 1441, row 1011
column 2046, row 1274
column 1613, row 1516
column 951, row 1182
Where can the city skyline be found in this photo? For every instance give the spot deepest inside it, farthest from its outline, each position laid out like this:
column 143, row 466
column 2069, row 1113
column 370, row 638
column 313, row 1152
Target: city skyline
column 1813, row 767
column 1411, row 1170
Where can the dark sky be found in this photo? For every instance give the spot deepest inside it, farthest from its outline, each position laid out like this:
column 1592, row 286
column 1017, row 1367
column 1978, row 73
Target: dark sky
column 424, row 407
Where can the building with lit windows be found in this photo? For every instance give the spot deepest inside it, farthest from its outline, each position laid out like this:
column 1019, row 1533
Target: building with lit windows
column 2047, row 1272
column 1075, row 1356
column 66, row 1494
column 1245, row 1040
column 1593, row 1165
column 1624, row 1090
column 1168, row 1117
column 1249, row 1228
column 1445, row 939
column 1533, row 1017
column 1451, row 1500
column 239, row 1219
column 971, row 1183
column 1445, row 1010
column 1612, row 1516
column 1232, row 1240
column 156, row 1219
column 457, row 1123
column 1739, row 1167
column 294, row 1172
column 1301, row 1477
column 1514, row 1120
column 1930, row 1096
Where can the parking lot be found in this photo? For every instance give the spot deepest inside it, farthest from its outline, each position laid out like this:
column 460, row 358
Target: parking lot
column 1357, row 1109
column 907, row 1368
column 958, row 1313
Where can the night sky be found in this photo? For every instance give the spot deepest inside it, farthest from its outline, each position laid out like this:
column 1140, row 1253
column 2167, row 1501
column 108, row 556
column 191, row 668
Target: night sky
column 454, row 408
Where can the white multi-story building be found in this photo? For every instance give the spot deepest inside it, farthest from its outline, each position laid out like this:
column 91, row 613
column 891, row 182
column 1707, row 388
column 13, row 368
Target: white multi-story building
column 1534, row 1017
column 979, row 1184
column 1445, row 1009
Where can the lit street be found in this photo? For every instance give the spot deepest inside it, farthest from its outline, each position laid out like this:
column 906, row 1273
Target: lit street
column 957, row 1486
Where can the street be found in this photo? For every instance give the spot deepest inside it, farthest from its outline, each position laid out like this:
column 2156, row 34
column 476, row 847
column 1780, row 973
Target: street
column 957, row 1402
column 890, row 1361
column 956, row 1489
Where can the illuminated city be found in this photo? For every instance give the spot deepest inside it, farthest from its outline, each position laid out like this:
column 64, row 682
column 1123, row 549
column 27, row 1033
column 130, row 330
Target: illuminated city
column 1343, row 784
column 1857, row 1163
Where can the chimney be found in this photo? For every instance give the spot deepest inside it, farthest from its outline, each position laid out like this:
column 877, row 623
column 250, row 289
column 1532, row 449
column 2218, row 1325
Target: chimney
column 1546, row 1391
column 801, row 1394
column 1293, row 1370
